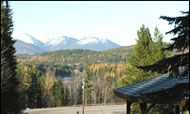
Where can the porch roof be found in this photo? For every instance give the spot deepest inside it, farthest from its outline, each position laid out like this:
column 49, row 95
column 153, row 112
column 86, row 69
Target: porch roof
column 143, row 89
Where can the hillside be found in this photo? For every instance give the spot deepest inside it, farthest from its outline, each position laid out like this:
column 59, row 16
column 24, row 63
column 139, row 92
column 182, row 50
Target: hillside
column 79, row 56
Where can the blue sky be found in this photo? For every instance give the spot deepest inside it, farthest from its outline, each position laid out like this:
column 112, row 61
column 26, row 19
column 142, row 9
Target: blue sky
column 114, row 20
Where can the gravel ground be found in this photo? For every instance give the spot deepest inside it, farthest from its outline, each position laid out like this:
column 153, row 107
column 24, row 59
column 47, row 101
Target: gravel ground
column 103, row 109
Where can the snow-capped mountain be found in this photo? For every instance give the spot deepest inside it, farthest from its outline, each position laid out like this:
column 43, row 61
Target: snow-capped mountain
column 27, row 44
column 27, row 38
column 94, row 43
column 63, row 42
column 88, row 40
column 27, row 48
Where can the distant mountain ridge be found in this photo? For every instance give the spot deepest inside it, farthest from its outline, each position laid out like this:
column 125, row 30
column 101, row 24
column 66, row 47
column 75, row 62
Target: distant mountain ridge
column 77, row 56
column 27, row 48
column 60, row 43
column 94, row 43
column 30, row 45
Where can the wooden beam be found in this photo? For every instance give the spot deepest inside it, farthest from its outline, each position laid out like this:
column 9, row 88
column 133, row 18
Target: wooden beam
column 143, row 107
column 128, row 107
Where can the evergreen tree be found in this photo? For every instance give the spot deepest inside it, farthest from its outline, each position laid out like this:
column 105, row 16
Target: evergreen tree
column 147, row 51
column 9, row 82
column 34, row 91
column 158, row 44
column 179, row 47
column 23, row 73
column 58, row 93
column 181, row 30
column 142, row 51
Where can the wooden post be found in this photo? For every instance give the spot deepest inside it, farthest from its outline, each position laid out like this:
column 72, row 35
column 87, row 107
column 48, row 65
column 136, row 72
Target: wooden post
column 83, row 99
column 143, row 107
column 128, row 107
column 177, row 110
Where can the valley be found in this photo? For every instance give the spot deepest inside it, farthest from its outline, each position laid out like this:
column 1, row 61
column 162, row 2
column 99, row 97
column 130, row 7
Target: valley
column 65, row 69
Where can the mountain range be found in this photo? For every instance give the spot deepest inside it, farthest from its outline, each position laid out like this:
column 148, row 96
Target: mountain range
column 27, row 44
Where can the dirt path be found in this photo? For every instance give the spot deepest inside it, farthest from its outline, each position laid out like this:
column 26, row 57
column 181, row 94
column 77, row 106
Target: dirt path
column 103, row 109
